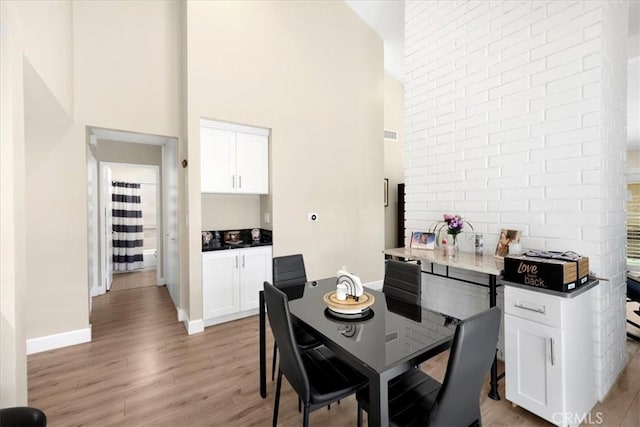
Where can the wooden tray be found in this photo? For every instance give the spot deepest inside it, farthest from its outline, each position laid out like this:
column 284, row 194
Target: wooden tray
column 350, row 305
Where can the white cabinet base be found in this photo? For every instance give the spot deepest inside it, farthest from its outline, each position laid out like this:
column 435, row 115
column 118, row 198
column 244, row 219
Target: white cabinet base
column 549, row 354
column 231, row 279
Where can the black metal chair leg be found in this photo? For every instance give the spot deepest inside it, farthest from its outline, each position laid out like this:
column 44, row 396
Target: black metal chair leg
column 277, row 402
column 359, row 419
column 305, row 417
column 273, row 363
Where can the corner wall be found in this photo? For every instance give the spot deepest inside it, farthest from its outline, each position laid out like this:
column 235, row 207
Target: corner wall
column 513, row 113
column 13, row 359
column 26, row 57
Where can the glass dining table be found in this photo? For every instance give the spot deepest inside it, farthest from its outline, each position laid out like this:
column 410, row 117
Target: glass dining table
column 390, row 338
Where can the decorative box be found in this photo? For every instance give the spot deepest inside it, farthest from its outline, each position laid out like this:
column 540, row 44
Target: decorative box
column 548, row 270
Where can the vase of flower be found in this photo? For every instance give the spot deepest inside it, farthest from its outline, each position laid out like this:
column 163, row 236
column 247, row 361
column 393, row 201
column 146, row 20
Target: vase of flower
column 455, row 242
column 453, row 225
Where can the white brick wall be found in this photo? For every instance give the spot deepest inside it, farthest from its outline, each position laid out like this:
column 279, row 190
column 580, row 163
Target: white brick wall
column 515, row 118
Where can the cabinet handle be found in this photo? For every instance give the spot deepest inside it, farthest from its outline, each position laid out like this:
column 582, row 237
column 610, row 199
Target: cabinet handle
column 233, row 181
column 239, row 181
column 242, row 261
column 536, row 309
column 553, row 357
column 236, row 261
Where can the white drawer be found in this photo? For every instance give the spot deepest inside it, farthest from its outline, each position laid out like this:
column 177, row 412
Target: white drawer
column 535, row 306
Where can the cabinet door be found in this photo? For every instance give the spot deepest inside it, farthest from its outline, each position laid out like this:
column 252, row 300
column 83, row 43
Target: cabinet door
column 534, row 366
column 220, row 283
column 252, row 163
column 217, row 161
column 256, row 263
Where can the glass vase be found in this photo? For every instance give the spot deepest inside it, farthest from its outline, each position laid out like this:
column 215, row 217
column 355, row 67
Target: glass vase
column 455, row 242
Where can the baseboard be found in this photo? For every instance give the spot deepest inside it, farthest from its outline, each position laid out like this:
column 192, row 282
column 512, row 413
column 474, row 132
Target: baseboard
column 182, row 315
column 230, row 317
column 193, row 326
column 65, row 339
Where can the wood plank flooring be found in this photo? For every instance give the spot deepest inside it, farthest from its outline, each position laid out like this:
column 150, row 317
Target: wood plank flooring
column 133, row 280
column 141, row 368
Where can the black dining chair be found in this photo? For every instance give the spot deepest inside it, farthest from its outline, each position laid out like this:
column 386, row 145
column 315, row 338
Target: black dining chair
column 633, row 295
column 402, row 281
column 289, row 271
column 318, row 376
column 22, row 416
column 417, row 399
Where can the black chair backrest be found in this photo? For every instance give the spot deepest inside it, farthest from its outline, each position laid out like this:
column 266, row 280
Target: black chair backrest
column 472, row 352
column 290, row 361
column 288, row 270
column 402, row 281
column 404, row 309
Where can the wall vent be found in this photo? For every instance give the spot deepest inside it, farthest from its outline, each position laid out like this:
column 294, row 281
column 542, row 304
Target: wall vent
column 391, row 135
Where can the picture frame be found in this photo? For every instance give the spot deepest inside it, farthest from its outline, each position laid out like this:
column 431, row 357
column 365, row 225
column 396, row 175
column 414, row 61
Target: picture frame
column 385, row 187
column 423, row 240
column 506, row 238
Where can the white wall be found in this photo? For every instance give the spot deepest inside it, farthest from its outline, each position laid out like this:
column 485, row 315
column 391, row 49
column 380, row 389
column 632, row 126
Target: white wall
column 44, row 31
column 393, row 154
column 127, row 67
column 277, row 65
column 36, row 78
column 224, row 212
column 513, row 117
column 13, row 361
column 56, row 216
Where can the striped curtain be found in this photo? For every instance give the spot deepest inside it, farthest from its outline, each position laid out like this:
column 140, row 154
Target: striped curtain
column 127, row 226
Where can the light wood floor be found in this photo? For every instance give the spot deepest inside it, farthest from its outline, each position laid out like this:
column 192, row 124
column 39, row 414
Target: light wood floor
column 133, row 280
column 142, row 369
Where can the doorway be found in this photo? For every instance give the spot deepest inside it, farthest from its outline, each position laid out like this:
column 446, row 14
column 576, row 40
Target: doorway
column 132, row 199
column 152, row 160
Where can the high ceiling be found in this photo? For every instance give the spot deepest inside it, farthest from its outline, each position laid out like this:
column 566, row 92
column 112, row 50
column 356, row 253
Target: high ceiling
column 386, row 17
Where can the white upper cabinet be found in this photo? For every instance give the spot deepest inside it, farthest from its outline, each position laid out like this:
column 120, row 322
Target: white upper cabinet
column 234, row 159
column 252, row 163
column 218, row 158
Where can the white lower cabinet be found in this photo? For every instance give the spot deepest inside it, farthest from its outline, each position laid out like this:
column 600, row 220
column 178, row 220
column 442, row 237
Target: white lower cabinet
column 549, row 354
column 231, row 280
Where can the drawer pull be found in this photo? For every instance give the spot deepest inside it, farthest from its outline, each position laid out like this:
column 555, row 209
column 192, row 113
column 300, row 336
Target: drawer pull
column 536, row 309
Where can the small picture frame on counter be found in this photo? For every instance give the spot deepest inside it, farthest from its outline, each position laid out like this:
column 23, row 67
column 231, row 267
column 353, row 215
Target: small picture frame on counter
column 423, row 240
column 506, row 238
